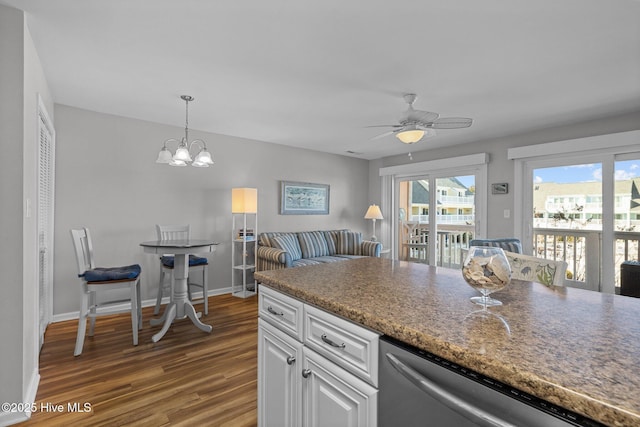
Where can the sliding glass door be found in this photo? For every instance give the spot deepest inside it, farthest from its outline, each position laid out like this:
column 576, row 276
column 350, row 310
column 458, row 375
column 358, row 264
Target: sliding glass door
column 567, row 219
column 585, row 210
column 436, row 218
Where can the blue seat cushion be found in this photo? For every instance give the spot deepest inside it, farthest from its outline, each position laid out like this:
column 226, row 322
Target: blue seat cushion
column 168, row 261
column 112, row 273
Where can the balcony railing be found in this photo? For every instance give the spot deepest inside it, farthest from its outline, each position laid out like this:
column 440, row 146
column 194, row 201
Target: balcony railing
column 457, row 200
column 444, row 219
column 580, row 249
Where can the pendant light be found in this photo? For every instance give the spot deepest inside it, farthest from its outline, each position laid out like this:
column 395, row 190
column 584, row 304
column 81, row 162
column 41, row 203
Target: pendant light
column 182, row 156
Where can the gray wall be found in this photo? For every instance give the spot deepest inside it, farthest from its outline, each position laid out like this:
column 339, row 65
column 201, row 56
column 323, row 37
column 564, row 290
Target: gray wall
column 501, row 169
column 108, row 181
column 21, row 80
column 11, row 134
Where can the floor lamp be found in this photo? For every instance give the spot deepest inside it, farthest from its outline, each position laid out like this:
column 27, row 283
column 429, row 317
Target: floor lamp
column 244, row 201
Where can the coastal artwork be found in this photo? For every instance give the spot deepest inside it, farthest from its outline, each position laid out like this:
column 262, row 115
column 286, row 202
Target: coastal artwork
column 304, row 198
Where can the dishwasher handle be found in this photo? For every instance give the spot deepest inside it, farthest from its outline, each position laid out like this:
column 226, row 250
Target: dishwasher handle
column 462, row 407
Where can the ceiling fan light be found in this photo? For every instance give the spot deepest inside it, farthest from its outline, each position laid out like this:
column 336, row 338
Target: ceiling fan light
column 410, row 136
column 175, row 162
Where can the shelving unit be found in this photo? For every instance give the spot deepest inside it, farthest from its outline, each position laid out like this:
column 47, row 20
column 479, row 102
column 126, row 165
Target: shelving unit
column 243, row 241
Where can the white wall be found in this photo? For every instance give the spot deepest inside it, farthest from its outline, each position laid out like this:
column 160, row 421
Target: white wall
column 108, row 181
column 501, row 169
column 35, row 87
column 21, row 80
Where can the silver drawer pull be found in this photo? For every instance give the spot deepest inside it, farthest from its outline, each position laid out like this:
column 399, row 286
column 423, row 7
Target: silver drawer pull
column 272, row 311
column 306, row 373
column 332, row 343
column 291, row 360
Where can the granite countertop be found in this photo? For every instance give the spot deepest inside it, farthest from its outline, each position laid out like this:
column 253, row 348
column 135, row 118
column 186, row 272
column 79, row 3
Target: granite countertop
column 575, row 348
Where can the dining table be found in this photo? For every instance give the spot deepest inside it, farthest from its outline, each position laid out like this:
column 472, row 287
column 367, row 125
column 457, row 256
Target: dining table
column 180, row 307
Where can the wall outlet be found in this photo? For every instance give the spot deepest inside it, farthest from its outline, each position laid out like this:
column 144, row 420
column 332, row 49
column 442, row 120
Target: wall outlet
column 507, row 213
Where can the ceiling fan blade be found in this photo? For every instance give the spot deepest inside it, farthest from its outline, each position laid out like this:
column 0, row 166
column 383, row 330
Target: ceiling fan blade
column 452, row 123
column 382, row 135
column 423, row 116
column 384, row 126
column 428, row 131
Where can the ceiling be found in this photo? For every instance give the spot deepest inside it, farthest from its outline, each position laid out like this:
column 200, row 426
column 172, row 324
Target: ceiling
column 315, row 74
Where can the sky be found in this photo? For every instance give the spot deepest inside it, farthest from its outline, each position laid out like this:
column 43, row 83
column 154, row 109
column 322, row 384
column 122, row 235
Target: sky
column 628, row 169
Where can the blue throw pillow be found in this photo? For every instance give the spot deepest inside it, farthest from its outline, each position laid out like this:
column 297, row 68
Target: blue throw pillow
column 289, row 243
column 349, row 243
column 313, row 244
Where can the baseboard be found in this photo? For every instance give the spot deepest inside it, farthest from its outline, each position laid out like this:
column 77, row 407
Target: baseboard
column 11, row 418
column 145, row 303
column 28, row 399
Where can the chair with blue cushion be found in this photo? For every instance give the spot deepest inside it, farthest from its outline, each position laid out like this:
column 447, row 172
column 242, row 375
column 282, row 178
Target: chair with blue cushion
column 99, row 280
column 507, row 244
column 196, row 265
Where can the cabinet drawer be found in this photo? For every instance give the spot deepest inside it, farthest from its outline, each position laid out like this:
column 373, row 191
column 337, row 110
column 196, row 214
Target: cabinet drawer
column 348, row 345
column 281, row 311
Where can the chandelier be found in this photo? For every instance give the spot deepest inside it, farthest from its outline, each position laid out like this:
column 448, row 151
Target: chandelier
column 182, row 156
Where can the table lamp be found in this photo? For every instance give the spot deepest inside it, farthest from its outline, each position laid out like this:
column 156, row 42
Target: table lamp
column 373, row 213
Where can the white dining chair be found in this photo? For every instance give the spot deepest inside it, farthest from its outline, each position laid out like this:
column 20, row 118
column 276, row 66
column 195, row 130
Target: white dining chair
column 196, row 265
column 100, row 280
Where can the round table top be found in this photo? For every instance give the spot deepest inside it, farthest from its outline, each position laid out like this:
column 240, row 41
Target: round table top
column 187, row 243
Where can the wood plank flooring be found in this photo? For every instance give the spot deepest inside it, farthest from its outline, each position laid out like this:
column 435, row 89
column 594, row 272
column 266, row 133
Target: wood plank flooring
column 188, row 378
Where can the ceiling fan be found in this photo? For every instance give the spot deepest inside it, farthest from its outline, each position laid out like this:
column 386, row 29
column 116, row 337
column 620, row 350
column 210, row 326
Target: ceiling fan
column 414, row 124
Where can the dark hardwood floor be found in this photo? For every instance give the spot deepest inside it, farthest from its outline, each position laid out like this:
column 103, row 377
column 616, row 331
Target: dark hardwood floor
column 188, row 378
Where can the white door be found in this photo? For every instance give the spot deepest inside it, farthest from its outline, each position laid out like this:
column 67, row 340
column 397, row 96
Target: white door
column 46, row 150
column 279, row 378
column 334, row 397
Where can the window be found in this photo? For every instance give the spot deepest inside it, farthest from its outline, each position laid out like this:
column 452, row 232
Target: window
column 586, row 218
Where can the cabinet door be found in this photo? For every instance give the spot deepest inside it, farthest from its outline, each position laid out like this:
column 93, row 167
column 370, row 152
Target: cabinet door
column 333, row 397
column 279, row 379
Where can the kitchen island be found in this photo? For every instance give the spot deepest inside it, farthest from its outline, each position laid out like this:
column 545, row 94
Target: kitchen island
column 577, row 349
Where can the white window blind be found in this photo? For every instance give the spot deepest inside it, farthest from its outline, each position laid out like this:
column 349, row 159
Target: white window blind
column 45, row 219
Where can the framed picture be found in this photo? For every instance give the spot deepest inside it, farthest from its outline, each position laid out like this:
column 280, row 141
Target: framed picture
column 500, row 188
column 303, row 198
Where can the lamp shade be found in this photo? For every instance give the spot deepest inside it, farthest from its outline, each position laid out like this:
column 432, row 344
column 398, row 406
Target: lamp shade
column 410, row 136
column 204, row 157
column 164, row 156
column 373, row 212
column 244, row 200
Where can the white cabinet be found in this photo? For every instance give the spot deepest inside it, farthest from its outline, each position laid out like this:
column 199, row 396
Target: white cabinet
column 314, row 369
column 243, row 254
column 279, row 384
column 334, row 397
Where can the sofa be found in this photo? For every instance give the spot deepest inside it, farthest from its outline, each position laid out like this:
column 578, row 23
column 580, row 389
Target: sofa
column 278, row 250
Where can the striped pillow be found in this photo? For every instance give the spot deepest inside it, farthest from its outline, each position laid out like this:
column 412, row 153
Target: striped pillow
column 349, row 243
column 313, row 244
column 289, row 243
column 264, row 239
column 332, row 240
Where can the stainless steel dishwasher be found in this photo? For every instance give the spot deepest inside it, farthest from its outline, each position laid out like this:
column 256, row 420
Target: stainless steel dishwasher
column 418, row 388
